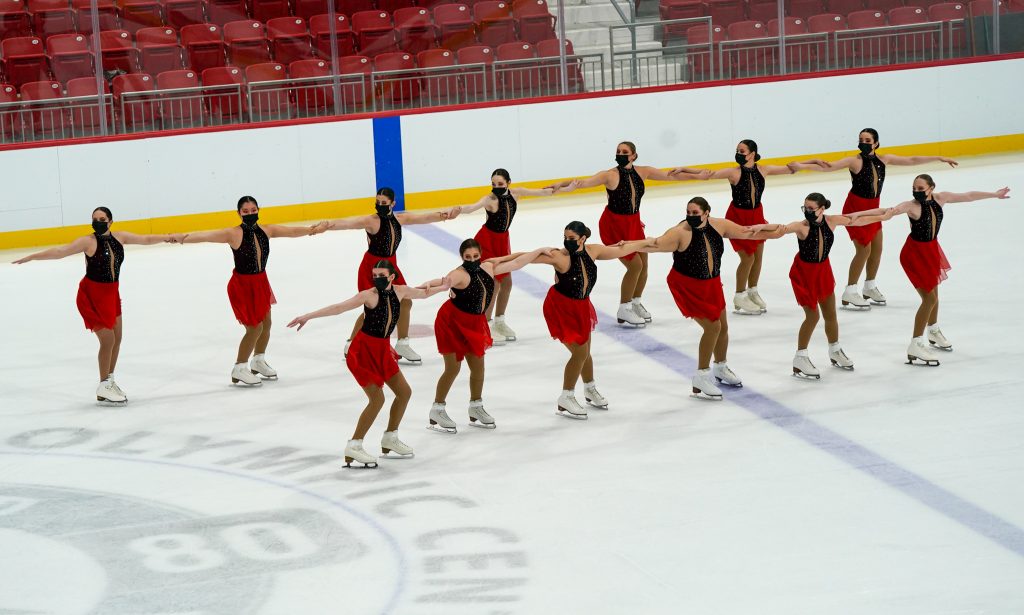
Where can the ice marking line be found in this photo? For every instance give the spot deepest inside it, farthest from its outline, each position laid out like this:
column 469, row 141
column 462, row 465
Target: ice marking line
column 940, row 500
column 392, row 542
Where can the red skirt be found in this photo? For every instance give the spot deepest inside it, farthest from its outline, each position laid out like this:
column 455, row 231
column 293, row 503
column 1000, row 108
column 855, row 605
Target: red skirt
column 461, row 333
column 493, row 245
column 570, row 321
column 697, row 298
column 861, row 234
column 925, row 263
column 371, row 360
column 99, row 303
column 617, row 227
column 745, row 217
column 365, row 273
column 812, row 282
column 251, row 297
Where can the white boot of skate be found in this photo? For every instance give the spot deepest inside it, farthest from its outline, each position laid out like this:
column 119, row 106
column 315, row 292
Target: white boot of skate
column 628, row 316
column 478, row 417
column 117, row 389
column 503, row 329
column 937, row 339
column 406, row 352
column 704, row 387
column 852, row 300
column 241, row 374
column 837, row 355
column 724, row 375
column 745, row 305
column 107, row 395
column 803, row 368
column 569, row 407
column 872, row 293
column 497, row 337
column 593, row 397
column 640, row 310
column 755, row 296
column 918, row 351
column 391, row 444
column 260, row 367
column 354, row 452
column 439, row 419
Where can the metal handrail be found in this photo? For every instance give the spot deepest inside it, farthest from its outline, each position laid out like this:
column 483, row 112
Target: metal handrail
column 660, row 23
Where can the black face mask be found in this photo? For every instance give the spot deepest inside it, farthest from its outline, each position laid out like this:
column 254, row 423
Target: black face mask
column 865, row 148
column 694, row 221
column 920, row 196
column 741, row 159
column 383, row 210
column 812, row 216
column 99, row 227
column 571, row 245
column 380, row 282
column 499, row 191
column 250, row 219
column 471, row 266
column 622, row 159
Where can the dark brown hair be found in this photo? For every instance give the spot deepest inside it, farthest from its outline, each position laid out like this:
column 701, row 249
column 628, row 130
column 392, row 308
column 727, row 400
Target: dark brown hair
column 579, row 228
column 466, row 245
column 384, row 264
column 752, row 146
column 246, row 199
column 819, row 199
column 110, row 216
column 927, row 179
column 701, row 202
column 502, row 173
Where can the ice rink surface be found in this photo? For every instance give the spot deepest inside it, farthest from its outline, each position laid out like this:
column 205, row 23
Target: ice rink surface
column 887, row 490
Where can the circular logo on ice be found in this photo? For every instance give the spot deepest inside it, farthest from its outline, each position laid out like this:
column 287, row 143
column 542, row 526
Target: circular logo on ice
column 156, row 524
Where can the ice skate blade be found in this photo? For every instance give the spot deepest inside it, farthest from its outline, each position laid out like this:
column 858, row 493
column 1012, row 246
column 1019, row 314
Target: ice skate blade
column 593, row 405
column 942, row 348
column 366, row 466
column 569, row 415
column 698, row 394
column 746, row 313
column 835, row 364
column 439, row 429
column 386, row 454
column 481, row 425
column 243, row 385
column 738, row 385
column 873, row 302
column 412, row 361
column 855, row 308
column 264, row 377
column 638, row 325
column 106, row 403
column 799, row 375
column 923, row 362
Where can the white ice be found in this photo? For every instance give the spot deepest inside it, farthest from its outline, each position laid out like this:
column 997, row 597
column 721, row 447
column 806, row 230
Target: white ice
column 887, row 490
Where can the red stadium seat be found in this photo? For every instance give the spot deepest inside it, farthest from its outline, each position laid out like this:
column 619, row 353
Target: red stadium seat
column 439, row 88
column 265, row 10
column 868, row 50
column 204, row 46
column 947, row 11
column 290, row 39
column 882, row 5
column 534, row 20
column 10, row 123
column 185, row 110
column 477, row 85
column 984, row 7
column 374, row 32
column 455, row 27
column 24, row 60
column 952, row 11
column 698, row 57
column 159, row 50
column 106, row 10
column 51, row 17
column 520, row 79
column 763, row 10
column 246, row 42
column 401, row 89
column 138, row 14
column 14, row 21
column 307, row 8
column 865, row 19
column 226, row 104
column 390, row 6
column 755, row 59
column 51, row 122
column 744, row 30
column 725, row 12
column 223, row 12
column 845, row 7
column 85, row 115
column 118, row 51
column 355, row 95
column 415, row 29
column 268, row 103
column 912, row 45
column 136, row 113
column 312, row 99
column 828, row 22
column 804, row 8
column 181, row 13
column 494, row 23
column 551, row 73
column 70, row 56
column 320, row 29
column 351, row 7
column 679, row 9
column 794, row 25
column 906, row 15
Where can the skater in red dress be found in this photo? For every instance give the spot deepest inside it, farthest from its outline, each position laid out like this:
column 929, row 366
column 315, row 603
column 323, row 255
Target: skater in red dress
column 696, row 245
column 462, row 332
column 867, row 174
column 620, row 221
column 923, row 260
column 813, row 282
column 370, row 357
column 500, row 205
column 249, row 289
column 99, row 298
column 570, row 315
column 747, row 183
column 383, row 236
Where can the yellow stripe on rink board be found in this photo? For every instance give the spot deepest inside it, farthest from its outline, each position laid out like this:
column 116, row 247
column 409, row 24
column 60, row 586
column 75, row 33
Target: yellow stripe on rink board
column 446, row 198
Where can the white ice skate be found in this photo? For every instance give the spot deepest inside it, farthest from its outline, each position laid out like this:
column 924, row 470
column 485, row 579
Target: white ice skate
column 113, row 383
column 354, row 452
column 852, row 300
column 406, row 352
column 745, row 305
column 872, row 293
column 569, row 407
column 803, row 368
column 626, row 315
column 108, row 395
column 242, row 375
column 260, row 367
column 478, row 417
column 593, row 397
column 704, row 387
column 918, row 351
column 503, row 329
column 937, row 339
column 497, row 338
column 724, row 375
column 439, row 419
column 838, row 357
column 391, row 444
column 640, row 310
column 755, row 296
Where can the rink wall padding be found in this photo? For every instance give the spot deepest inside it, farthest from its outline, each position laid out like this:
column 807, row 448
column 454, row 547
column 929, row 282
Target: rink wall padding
column 309, row 171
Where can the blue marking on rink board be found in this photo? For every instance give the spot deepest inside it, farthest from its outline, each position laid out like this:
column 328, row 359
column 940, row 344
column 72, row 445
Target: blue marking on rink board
column 940, row 500
column 387, row 156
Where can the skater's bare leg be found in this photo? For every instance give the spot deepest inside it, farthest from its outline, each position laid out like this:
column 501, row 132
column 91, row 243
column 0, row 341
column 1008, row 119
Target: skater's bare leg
column 578, row 356
column 248, row 343
column 874, row 256
column 476, row 376
column 641, row 281
column 588, row 366
column 634, row 267
column 860, row 258
column 404, row 317
column 374, row 402
column 708, row 340
column 743, row 270
column 722, row 343
column 500, row 299
column 929, row 302
column 933, row 318
column 444, row 383
column 106, row 338
column 828, row 312
column 755, row 267
column 264, row 339
column 803, row 339
column 116, row 350
column 400, row 387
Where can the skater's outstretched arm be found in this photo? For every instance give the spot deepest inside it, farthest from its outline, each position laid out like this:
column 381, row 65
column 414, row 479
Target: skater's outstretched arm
column 731, row 230
column 967, row 197
column 370, row 224
column 77, row 246
column 677, row 174
column 772, row 169
column 223, row 235
column 845, row 220
column 602, row 178
column 281, row 230
column 144, row 240
column 814, row 164
column 621, row 250
column 908, row 161
column 902, row 208
column 360, row 299
column 427, row 217
column 732, row 174
column 668, row 242
column 415, row 292
column 518, row 192
column 487, row 199
column 559, row 259
column 521, row 260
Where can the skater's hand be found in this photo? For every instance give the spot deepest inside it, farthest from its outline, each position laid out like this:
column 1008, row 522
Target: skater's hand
column 950, row 162
column 22, row 261
column 569, row 187
column 319, row 227
column 822, row 163
column 446, row 283
column 888, row 214
column 177, row 238
column 1003, row 193
column 299, row 321
column 453, row 212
